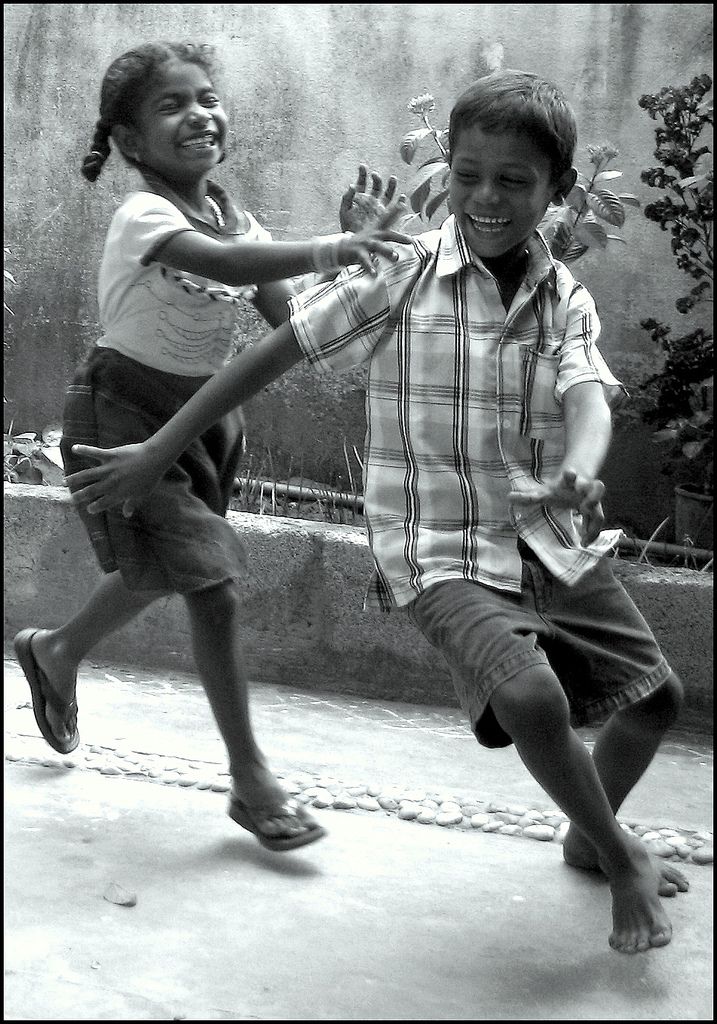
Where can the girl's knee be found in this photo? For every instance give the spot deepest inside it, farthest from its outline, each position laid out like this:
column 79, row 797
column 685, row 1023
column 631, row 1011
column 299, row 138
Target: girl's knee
column 532, row 702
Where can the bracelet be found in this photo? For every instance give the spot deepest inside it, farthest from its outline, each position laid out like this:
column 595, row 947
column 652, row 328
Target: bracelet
column 325, row 252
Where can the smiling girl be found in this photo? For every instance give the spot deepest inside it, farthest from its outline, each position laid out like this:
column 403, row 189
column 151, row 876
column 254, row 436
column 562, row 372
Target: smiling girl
column 178, row 261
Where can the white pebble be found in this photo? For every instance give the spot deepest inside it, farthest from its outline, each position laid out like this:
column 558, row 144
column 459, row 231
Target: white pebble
column 495, row 808
column 344, row 802
column 374, row 790
column 368, row 803
column 449, row 817
column 479, row 820
column 409, row 810
column 510, row 830
column 668, row 832
column 660, row 848
column 388, row 803
column 649, row 836
column 450, row 807
column 492, row 826
column 705, row 855
column 220, row 787
column 562, row 831
column 516, row 809
column 675, row 840
column 507, row 818
column 684, row 851
column 543, row 832
column 706, row 837
column 414, row 796
column 356, row 791
column 110, row 769
column 427, row 816
column 323, row 799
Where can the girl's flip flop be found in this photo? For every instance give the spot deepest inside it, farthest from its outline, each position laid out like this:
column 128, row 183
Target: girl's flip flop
column 43, row 693
column 253, row 818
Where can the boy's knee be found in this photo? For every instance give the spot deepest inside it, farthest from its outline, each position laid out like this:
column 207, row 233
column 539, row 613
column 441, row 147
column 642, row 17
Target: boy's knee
column 661, row 708
column 532, row 702
column 219, row 602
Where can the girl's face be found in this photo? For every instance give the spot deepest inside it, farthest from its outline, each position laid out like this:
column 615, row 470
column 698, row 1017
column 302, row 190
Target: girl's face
column 180, row 126
column 500, row 186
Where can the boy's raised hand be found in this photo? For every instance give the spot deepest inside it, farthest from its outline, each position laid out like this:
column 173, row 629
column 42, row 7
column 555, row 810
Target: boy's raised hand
column 363, row 207
column 569, row 490
column 123, row 477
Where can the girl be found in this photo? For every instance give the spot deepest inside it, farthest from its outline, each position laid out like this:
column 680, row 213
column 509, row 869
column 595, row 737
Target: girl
column 178, row 259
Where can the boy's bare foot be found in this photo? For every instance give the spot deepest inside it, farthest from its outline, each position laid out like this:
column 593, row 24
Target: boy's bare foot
column 639, row 922
column 578, row 852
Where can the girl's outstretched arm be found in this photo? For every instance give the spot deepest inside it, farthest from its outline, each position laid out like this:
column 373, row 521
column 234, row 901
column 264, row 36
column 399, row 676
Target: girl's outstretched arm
column 126, row 475
column 241, row 262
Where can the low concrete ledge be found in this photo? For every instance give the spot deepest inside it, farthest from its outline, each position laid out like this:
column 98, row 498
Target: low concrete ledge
column 303, row 619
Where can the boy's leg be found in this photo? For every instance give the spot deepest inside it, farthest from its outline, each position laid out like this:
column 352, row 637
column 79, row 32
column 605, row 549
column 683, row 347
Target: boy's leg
column 58, row 652
column 532, row 709
column 624, row 749
column 214, row 615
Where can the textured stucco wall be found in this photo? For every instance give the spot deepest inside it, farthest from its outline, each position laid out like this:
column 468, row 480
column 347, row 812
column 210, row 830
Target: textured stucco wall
column 302, row 618
column 312, row 89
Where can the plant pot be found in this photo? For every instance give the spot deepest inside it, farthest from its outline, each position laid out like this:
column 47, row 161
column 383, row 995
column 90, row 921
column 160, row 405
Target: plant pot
column 693, row 518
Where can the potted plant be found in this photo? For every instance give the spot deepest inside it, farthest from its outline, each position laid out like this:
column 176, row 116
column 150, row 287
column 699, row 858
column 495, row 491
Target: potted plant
column 678, row 398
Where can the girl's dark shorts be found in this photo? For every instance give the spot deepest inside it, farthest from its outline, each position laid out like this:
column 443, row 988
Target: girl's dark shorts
column 591, row 635
column 177, row 540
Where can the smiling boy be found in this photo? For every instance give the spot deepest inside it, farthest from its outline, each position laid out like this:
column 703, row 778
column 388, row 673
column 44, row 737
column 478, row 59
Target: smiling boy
column 488, row 422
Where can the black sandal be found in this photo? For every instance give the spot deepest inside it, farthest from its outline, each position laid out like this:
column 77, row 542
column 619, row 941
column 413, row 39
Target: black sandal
column 43, row 693
column 253, row 818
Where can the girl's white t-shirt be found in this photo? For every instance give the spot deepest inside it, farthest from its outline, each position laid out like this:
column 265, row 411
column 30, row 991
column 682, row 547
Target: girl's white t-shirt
column 173, row 321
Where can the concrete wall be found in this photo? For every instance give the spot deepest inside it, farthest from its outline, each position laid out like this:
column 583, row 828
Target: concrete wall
column 303, row 623
column 311, row 89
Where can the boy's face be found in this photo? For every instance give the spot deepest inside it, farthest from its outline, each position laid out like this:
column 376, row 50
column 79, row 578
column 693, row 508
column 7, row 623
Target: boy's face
column 500, row 187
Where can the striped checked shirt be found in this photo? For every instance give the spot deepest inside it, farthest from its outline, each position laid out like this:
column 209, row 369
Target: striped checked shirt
column 463, row 405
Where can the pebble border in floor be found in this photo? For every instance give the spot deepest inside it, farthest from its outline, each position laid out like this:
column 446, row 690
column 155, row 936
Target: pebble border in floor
column 423, row 806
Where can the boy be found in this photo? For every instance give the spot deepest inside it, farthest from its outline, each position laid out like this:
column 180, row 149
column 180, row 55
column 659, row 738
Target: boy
column 488, row 422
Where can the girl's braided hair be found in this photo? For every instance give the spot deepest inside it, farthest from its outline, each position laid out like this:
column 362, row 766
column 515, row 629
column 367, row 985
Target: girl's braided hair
column 123, row 85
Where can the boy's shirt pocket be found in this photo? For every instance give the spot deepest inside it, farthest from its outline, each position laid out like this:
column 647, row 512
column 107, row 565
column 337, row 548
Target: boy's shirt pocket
column 540, row 411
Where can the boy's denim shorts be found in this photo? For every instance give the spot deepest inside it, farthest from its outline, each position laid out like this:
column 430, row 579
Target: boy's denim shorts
column 591, row 635
column 177, row 540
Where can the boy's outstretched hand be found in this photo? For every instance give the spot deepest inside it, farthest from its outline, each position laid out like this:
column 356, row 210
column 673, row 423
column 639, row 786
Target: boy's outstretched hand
column 568, row 490
column 363, row 208
column 123, row 477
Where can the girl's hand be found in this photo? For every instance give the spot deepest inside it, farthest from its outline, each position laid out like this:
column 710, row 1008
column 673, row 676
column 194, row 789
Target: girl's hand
column 124, row 477
column 568, row 490
column 363, row 209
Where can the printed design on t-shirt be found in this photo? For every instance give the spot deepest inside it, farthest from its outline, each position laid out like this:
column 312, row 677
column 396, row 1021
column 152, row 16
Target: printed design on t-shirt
column 191, row 328
column 216, row 294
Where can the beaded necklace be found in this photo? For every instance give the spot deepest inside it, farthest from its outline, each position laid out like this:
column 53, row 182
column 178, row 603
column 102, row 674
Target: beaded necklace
column 217, row 211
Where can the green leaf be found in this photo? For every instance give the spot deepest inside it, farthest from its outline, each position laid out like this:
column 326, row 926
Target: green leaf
column 605, row 204
column 618, row 238
column 628, row 199
column 420, row 196
column 607, row 175
column 576, row 196
column 574, row 252
column 433, row 205
column 410, row 142
column 428, row 171
column 590, row 232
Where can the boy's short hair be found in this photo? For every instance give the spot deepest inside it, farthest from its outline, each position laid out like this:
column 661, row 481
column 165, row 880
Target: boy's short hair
column 519, row 101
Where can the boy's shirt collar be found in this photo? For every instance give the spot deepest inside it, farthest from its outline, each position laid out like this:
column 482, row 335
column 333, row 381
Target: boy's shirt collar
column 454, row 254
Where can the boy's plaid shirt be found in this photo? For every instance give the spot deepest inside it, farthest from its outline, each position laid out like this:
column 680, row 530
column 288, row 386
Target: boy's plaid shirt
column 463, row 405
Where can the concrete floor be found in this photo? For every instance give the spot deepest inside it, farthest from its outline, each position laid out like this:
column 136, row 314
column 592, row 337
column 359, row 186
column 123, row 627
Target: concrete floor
column 382, row 920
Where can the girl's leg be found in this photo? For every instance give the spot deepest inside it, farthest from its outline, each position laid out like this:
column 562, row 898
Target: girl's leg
column 214, row 615
column 59, row 651
column 624, row 749
column 532, row 708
